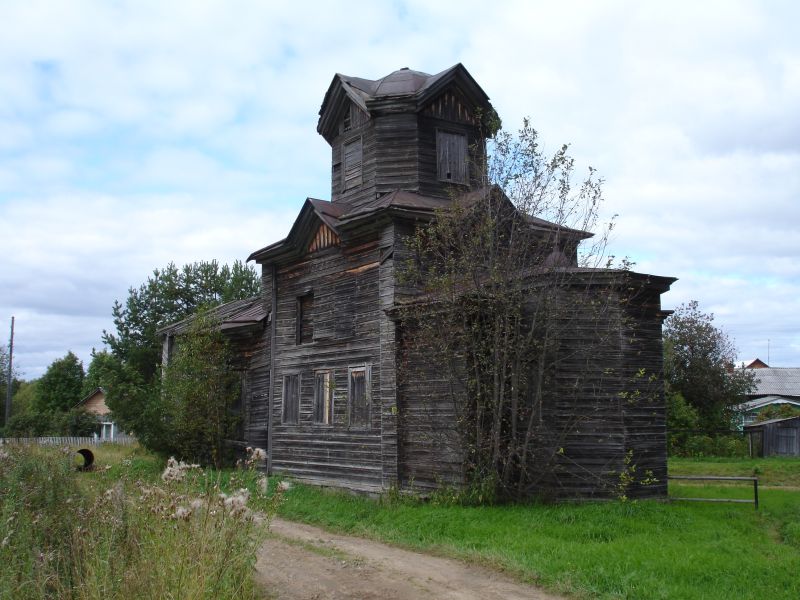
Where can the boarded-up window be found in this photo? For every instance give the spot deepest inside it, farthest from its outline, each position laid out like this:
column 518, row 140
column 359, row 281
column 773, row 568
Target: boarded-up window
column 344, row 308
column 291, row 398
column 358, row 396
column 323, row 397
column 351, row 173
column 451, row 153
column 303, row 319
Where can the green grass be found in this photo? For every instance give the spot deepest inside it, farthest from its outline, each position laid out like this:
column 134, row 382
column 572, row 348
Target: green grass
column 781, row 471
column 645, row 549
column 119, row 531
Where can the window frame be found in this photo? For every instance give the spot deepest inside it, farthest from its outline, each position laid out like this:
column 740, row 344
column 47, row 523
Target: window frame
column 323, row 415
column 450, row 163
column 367, row 370
column 304, row 313
column 357, row 181
column 285, row 420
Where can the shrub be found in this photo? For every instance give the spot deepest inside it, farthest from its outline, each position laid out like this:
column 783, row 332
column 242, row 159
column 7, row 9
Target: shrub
column 698, row 446
column 113, row 536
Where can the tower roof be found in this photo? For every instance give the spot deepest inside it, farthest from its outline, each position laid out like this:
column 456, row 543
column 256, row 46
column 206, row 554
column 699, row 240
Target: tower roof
column 414, row 87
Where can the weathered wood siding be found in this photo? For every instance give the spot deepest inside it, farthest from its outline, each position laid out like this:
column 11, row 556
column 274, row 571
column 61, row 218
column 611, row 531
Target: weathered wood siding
column 399, row 149
column 603, row 413
column 430, row 452
column 607, row 414
column 346, row 321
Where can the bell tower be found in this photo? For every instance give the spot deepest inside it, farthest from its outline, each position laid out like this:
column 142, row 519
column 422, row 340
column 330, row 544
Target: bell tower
column 407, row 131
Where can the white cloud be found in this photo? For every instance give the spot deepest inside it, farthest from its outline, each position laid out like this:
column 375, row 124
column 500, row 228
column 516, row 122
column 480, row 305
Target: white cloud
column 135, row 133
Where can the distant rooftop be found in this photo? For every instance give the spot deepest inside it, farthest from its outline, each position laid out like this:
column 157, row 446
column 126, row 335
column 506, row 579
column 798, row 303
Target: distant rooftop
column 777, row 381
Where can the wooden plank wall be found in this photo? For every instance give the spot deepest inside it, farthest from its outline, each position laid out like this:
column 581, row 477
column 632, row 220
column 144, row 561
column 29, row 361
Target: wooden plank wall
column 643, row 407
column 334, row 454
column 430, row 449
column 399, row 152
column 429, row 183
column 605, row 399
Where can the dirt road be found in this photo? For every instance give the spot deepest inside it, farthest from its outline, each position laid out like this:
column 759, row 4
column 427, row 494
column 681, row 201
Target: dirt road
column 303, row 562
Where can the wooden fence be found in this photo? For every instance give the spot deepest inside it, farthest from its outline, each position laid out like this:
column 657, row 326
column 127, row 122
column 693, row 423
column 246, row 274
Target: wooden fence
column 754, row 481
column 123, row 440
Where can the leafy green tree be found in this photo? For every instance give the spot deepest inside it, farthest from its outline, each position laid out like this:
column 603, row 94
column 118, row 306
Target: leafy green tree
column 130, row 373
column 170, row 295
column 198, row 393
column 98, row 373
column 59, row 389
column 699, row 363
column 681, row 416
column 25, row 397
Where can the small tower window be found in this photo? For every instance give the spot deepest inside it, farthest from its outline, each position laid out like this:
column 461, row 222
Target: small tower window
column 304, row 325
column 451, row 155
column 351, row 173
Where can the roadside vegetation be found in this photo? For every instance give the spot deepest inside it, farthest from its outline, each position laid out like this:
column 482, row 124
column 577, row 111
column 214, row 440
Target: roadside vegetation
column 644, row 549
column 122, row 531
column 127, row 529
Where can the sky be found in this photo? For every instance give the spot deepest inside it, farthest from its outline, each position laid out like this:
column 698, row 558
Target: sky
column 137, row 133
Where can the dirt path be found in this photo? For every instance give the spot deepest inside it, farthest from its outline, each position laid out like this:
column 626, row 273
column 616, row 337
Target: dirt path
column 303, row 562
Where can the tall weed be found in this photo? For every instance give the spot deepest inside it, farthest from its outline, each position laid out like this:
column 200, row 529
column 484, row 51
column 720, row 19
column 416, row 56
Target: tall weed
column 122, row 536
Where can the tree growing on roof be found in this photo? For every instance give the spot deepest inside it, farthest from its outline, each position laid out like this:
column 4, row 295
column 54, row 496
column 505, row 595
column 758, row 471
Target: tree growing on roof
column 514, row 316
column 699, row 361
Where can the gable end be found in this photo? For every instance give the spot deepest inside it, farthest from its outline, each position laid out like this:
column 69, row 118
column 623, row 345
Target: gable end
column 325, row 237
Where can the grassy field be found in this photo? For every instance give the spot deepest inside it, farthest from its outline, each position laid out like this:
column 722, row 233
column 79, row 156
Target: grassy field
column 643, row 549
column 117, row 533
column 120, row 531
column 773, row 471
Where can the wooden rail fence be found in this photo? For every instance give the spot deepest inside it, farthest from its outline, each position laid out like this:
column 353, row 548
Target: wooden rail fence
column 754, row 501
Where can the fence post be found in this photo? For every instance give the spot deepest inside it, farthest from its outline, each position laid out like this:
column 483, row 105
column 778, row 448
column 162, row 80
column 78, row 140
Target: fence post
column 755, row 491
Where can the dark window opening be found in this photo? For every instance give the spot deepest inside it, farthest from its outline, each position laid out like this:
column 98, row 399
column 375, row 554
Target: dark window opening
column 291, row 398
column 452, row 156
column 351, row 172
column 323, row 398
column 358, row 396
column 303, row 319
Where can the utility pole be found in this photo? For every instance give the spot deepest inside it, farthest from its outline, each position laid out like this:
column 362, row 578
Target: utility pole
column 8, row 380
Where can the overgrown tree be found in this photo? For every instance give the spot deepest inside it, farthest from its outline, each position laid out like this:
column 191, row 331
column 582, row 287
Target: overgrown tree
column 99, row 372
column 170, row 295
column 198, row 392
column 699, row 361
column 131, row 371
column 493, row 303
column 59, row 389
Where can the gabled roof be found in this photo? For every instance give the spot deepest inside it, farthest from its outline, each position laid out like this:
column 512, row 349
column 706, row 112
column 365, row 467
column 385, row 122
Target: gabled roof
column 777, row 381
column 231, row 315
column 312, row 213
column 769, row 422
column 766, row 401
column 415, row 87
column 340, row 216
column 92, row 394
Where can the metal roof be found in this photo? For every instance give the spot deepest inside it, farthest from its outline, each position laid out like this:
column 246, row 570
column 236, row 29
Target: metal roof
column 231, row 315
column 769, row 422
column 777, row 381
column 766, row 401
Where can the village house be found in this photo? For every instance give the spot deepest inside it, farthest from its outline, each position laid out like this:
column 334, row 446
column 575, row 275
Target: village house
column 94, row 403
column 332, row 387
